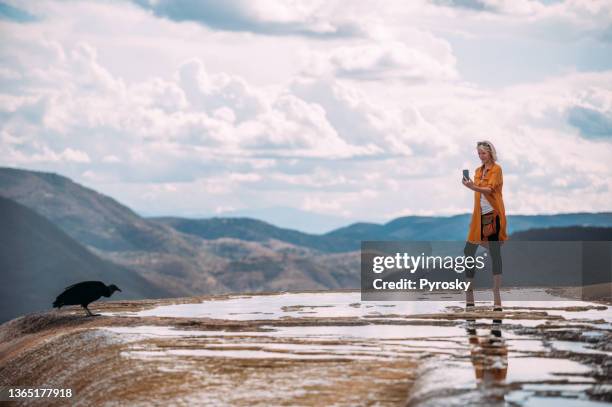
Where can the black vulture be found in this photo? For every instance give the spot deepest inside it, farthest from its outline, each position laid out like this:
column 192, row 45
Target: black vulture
column 84, row 293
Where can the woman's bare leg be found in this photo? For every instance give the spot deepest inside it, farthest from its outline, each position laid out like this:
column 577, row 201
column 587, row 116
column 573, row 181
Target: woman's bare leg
column 469, row 251
column 495, row 251
column 497, row 280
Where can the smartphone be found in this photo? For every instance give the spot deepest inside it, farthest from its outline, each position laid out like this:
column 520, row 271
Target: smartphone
column 466, row 175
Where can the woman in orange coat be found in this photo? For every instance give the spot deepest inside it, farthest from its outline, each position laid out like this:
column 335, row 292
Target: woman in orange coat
column 488, row 199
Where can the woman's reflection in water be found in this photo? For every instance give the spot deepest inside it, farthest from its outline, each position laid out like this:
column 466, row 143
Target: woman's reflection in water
column 489, row 354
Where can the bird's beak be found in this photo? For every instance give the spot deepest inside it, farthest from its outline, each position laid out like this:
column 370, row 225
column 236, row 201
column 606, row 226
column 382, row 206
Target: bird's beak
column 118, row 289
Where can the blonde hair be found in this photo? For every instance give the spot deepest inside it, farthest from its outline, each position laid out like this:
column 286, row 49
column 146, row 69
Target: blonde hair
column 487, row 146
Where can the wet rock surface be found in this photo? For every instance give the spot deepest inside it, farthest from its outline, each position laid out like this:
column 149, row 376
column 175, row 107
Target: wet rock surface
column 313, row 348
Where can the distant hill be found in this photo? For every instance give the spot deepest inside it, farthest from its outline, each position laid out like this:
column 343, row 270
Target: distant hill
column 454, row 228
column 411, row 228
column 257, row 231
column 91, row 218
column 38, row 260
column 289, row 218
column 569, row 233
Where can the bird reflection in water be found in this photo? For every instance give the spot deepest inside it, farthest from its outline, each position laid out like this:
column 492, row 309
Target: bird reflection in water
column 489, row 354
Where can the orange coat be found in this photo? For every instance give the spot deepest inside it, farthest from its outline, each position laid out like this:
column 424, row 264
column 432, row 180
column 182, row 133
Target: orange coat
column 494, row 180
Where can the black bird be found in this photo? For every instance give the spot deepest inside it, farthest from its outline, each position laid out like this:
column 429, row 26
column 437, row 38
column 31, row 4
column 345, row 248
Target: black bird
column 84, row 293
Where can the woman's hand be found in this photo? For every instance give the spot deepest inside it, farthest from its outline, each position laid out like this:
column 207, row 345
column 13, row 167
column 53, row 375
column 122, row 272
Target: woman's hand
column 469, row 184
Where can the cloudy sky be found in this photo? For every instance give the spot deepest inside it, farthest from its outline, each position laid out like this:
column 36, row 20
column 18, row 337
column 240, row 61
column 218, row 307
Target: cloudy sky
column 356, row 110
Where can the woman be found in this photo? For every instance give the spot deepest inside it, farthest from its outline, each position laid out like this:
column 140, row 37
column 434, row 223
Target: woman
column 488, row 205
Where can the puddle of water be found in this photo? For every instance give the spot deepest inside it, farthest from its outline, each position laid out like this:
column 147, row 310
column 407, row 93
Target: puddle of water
column 556, row 387
column 341, row 304
column 235, row 354
column 526, row 345
column 313, row 348
column 576, row 347
column 530, row 369
column 321, row 305
column 370, row 331
column 452, row 382
column 327, row 332
column 153, row 331
column 528, row 399
column 592, row 335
